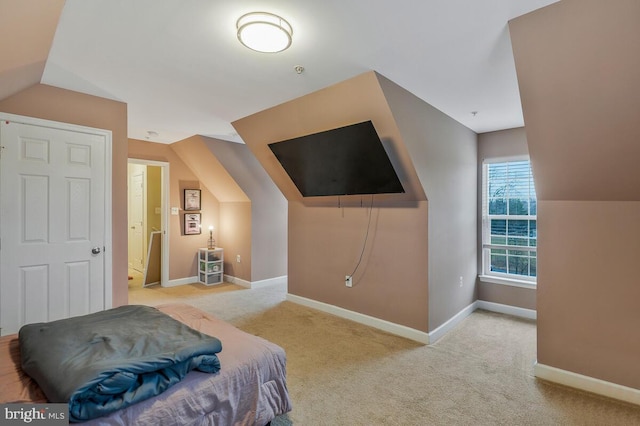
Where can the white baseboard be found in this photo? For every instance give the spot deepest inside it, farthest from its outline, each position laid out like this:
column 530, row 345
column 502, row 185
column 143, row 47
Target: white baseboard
column 269, row 281
column 397, row 329
column 507, row 309
column 586, row 383
column 410, row 333
column 256, row 284
column 235, row 280
column 452, row 322
column 181, row 281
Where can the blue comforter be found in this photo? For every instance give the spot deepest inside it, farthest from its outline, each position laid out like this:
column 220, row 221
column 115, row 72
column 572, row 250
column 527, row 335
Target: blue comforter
column 108, row 360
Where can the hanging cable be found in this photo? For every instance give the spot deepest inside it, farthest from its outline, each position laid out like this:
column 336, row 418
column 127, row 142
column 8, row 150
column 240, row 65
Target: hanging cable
column 366, row 236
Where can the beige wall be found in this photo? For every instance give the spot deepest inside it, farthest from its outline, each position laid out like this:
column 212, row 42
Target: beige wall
column 578, row 69
column 51, row 103
column 326, row 235
column 182, row 248
column 27, row 28
column 325, row 240
column 195, row 154
column 588, row 288
column 501, row 144
column 253, row 229
column 236, row 236
column 186, row 246
column 235, row 227
column 352, row 101
column 391, row 282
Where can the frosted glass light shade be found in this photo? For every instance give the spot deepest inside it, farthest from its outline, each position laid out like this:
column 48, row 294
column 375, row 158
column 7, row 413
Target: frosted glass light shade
column 264, row 32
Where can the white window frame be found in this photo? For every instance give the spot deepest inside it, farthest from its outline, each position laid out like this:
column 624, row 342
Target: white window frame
column 494, row 276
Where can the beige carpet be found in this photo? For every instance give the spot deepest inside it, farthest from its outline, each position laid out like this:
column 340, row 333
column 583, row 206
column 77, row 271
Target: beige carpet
column 344, row 373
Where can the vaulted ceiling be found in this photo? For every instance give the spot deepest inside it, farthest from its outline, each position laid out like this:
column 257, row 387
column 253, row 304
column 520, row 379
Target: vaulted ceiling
column 181, row 70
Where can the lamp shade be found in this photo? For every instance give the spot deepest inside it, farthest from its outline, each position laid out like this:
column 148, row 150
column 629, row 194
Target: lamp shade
column 264, row 32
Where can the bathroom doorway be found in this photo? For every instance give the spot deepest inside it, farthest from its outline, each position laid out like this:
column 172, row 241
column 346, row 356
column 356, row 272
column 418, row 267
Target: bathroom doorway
column 147, row 183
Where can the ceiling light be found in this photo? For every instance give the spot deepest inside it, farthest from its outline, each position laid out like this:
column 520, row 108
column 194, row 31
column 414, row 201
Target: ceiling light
column 264, row 32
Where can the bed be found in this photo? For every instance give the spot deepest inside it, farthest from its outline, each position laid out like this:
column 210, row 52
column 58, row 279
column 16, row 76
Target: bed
column 249, row 389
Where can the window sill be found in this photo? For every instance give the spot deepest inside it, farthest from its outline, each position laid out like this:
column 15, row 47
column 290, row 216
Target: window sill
column 507, row 281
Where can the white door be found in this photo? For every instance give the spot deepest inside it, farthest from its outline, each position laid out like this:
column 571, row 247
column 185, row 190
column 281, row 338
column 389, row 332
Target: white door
column 52, row 223
column 136, row 217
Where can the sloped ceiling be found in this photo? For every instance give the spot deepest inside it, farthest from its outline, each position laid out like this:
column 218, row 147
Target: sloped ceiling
column 27, row 28
column 355, row 100
column 578, row 69
column 179, row 67
column 211, row 173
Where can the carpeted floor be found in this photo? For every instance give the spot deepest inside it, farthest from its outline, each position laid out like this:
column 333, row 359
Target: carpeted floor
column 343, row 373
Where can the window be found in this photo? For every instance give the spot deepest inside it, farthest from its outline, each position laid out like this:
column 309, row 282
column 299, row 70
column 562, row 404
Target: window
column 509, row 213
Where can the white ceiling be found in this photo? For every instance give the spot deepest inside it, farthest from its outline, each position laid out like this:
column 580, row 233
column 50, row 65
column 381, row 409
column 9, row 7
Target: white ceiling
column 181, row 70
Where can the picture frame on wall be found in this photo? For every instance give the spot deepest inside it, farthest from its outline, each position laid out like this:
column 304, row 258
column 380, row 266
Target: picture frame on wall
column 192, row 199
column 192, row 224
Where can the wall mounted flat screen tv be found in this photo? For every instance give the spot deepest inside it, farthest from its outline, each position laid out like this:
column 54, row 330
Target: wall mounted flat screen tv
column 349, row 160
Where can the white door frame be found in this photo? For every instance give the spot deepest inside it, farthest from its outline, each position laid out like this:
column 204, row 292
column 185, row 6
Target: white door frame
column 164, row 213
column 108, row 241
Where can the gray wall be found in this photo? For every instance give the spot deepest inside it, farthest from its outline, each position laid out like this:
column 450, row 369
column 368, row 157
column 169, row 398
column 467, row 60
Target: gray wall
column 268, row 208
column 501, row 144
column 444, row 154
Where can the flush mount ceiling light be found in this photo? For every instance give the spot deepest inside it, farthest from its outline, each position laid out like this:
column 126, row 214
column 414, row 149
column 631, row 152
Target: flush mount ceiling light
column 264, row 32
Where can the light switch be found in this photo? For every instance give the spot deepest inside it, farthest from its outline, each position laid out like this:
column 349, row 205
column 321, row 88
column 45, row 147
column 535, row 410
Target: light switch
column 175, row 211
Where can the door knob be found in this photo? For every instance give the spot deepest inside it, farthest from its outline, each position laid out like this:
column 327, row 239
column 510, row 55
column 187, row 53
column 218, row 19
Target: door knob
column 95, row 250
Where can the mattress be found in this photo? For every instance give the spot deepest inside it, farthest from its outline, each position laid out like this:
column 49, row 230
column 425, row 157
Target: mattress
column 249, row 389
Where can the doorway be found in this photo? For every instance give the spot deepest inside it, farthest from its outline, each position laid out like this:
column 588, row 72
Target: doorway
column 147, row 183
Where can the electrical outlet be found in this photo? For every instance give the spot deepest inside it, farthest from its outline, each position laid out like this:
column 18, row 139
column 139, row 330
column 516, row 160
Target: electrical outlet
column 348, row 280
column 460, row 281
column 238, row 258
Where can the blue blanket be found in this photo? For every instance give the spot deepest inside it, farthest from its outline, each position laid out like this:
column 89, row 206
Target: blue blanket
column 108, row 360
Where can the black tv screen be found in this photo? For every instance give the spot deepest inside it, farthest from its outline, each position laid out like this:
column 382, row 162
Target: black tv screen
column 348, row 160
